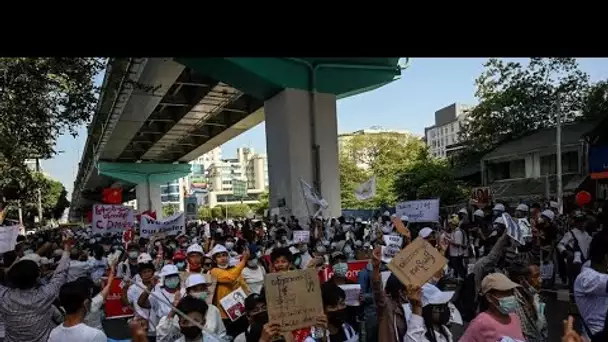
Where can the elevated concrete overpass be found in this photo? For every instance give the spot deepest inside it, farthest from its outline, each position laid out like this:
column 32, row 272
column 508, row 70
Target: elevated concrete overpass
column 156, row 114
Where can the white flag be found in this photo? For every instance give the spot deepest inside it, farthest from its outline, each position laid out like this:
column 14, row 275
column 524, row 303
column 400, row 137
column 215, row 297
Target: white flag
column 366, row 190
column 311, row 195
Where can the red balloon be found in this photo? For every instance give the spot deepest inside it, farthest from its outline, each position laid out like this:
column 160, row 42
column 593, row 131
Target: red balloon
column 582, row 198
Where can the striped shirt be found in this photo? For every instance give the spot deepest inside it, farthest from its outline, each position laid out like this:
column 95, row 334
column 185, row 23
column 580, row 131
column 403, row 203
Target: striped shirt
column 27, row 313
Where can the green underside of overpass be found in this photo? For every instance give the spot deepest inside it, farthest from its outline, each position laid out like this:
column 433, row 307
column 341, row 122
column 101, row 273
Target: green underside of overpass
column 265, row 77
column 140, row 173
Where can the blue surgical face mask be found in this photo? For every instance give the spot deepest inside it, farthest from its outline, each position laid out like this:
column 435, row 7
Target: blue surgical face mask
column 180, row 265
column 507, row 305
column 172, row 283
column 340, row 269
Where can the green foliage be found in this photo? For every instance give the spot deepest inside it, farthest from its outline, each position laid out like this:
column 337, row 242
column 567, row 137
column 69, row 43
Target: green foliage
column 219, row 212
column 54, row 200
column 596, row 103
column 170, row 209
column 205, row 213
column 516, row 99
column 429, row 178
column 381, row 155
column 260, row 208
column 40, row 99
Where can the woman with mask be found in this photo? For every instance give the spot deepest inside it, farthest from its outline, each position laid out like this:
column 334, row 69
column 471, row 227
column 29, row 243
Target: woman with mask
column 229, row 279
column 530, row 309
column 430, row 314
column 390, row 303
column 257, row 315
column 128, row 268
column 178, row 329
column 197, row 287
column 497, row 320
column 254, row 275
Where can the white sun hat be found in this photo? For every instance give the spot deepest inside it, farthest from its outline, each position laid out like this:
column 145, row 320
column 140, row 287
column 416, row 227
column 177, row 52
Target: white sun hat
column 144, row 258
column 168, row 270
column 522, row 207
column 216, row 250
column 499, row 207
column 425, row 232
column 431, row 294
column 195, row 248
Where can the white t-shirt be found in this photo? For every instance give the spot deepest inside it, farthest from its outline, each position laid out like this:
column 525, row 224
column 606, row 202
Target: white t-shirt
column 159, row 306
column 133, row 294
column 591, row 296
column 78, row 333
column 457, row 237
column 93, row 318
column 254, row 278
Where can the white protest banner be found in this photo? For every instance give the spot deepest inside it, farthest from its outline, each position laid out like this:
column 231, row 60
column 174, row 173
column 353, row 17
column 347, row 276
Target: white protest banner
column 352, row 292
column 301, row 236
column 172, row 225
column 525, row 228
column 311, row 195
column 108, row 218
column 419, row 211
column 366, row 190
column 8, row 238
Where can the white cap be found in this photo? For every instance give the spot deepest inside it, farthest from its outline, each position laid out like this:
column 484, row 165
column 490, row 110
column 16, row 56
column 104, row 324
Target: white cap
column 33, row 257
column 499, row 207
column 216, row 250
column 425, row 232
column 522, row 207
column 294, row 250
column 499, row 220
column 386, row 213
column 195, row 248
column 548, row 214
column 463, row 211
column 144, row 258
column 431, row 294
column 405, row 218
column 358, row 220
column 195, row 279
column 219, row 231
column 168, row 270
column 478, row 213
column 553, row 204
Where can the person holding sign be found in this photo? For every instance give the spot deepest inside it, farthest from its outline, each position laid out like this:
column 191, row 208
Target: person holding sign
column 338, row 329
column 171, row 328
column 389, row 304
column 229, row 279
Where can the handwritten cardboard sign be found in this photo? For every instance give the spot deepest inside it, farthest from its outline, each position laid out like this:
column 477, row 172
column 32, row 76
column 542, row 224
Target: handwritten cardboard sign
column 417, row 263
column 111, row 218
column 294, row 299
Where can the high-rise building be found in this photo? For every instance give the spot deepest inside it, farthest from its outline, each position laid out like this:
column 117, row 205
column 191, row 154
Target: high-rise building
column 442, row 138
column 248, row 166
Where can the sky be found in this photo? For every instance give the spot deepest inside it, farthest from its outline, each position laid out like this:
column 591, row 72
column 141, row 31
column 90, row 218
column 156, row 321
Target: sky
column 428, row 84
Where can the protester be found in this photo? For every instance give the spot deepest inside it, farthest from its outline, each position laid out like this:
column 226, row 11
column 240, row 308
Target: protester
column 75, row 299
column 180, row 329
column 254, row 275
column 197, row 287
column 257, row 315
column 136, row 295
column 389, row 304
column 574, row 247
column 25, row 305
column 128, row 268
column 94, row 312
column 338, row 329
column 529, row 307
column 497, row 319
column 430, row 314
column 165, row 294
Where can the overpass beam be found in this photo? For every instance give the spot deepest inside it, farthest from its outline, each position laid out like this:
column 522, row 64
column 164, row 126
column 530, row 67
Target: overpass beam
column 302, row 144
column 147, row 177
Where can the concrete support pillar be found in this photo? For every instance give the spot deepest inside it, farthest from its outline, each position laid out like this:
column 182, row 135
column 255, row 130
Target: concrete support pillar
column 292, row 136
column 148, row 198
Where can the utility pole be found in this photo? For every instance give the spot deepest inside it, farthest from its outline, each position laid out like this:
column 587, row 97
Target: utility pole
column 558, row 142
column 39, row 192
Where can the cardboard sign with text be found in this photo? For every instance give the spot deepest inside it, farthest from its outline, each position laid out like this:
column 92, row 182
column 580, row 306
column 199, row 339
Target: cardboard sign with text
column 417, row 263
column 401, row 227
column 294, row 299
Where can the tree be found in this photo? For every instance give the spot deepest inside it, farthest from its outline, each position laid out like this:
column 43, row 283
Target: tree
column 170, row 209
column 515, row 100
column 429, row 178
column 40, row 99
column 218, row 212
column 262, row 206
column 205, row 213
column 381, row 155
column 54, row 200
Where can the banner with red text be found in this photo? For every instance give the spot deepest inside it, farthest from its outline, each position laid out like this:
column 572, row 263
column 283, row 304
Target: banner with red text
column 109, row 218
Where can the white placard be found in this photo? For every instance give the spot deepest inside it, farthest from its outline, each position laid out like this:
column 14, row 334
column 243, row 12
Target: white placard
column 108, row 218
column 352, row 291
column 394, row 241
column 301, row 236
column 366, row 190
column 513, row 229
column 419, row 211
column 234, row 304
column 172, row 225
column 8, row 238
column 389, row 252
